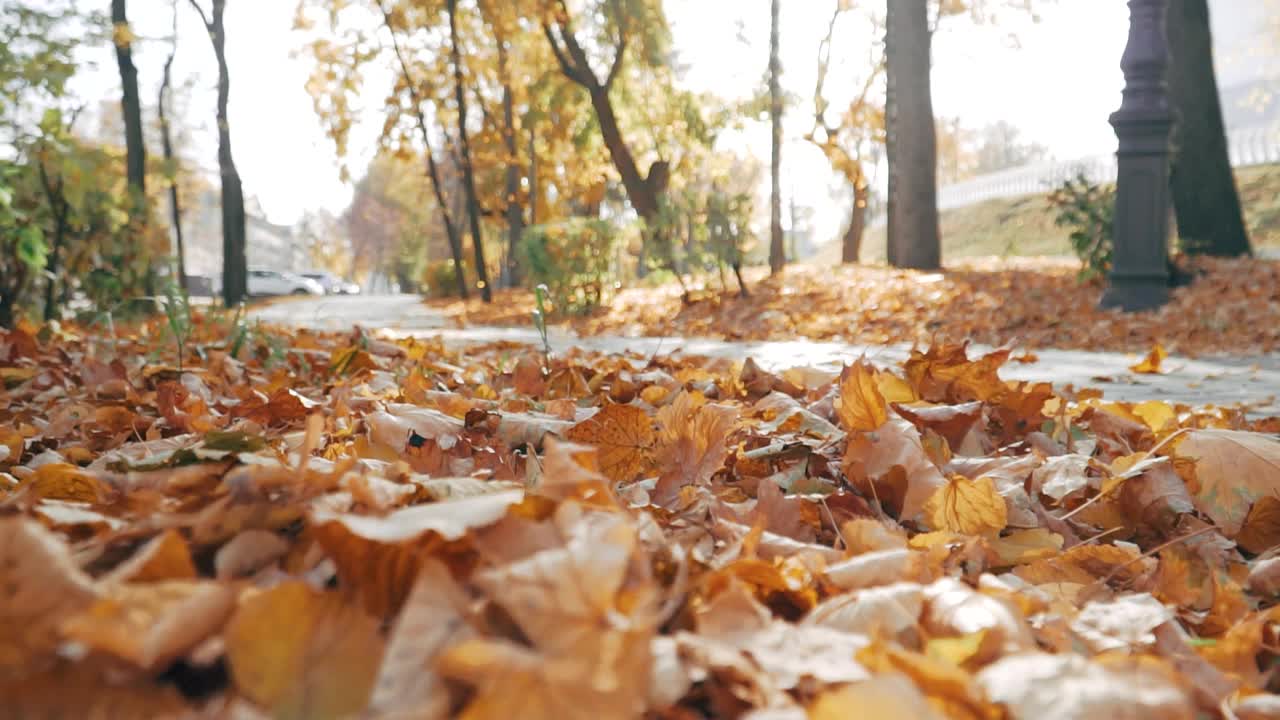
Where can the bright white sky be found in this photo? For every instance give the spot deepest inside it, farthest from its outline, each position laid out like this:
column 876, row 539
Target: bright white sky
column 1058, row 87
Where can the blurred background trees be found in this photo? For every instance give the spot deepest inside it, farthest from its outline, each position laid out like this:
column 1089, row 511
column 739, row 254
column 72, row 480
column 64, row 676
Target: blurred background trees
column 518, row 142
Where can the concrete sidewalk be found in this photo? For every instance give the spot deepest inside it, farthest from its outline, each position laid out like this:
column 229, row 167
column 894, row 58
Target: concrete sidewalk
column 1219, row 380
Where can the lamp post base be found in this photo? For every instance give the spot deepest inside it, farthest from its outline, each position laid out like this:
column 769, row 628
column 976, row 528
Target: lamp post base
column 1135, row 297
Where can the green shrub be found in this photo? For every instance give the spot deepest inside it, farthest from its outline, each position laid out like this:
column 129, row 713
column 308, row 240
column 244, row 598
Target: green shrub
column 440, row 279
column 1087, row 211
column 576, row 259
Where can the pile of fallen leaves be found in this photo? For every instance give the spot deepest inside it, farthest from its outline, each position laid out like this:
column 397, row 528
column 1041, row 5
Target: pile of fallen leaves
column 326, row 526
column 1233, row 306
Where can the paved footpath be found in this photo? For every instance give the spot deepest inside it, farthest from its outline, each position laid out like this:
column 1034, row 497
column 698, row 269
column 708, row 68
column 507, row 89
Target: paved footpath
column 1209, row 380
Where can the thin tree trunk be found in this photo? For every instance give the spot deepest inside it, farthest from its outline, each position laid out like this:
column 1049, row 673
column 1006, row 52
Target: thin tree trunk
column 533, row 178
column 166, row 139
column 234, row 266
column 1205, row 198
column 514, row 212
column 468, row 177
column 851, row 248
column 59, row 208
column 433, row 171
column 777, row 250
column 131, row 105
column 914, row 238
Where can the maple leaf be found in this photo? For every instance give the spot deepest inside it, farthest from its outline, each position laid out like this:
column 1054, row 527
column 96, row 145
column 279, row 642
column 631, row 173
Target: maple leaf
column 303, row 653
column 860, row 406
column 625, row 437
column 972, row 507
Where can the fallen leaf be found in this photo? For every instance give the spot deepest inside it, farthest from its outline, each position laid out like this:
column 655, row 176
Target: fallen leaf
column 302, row 653
column 1039, row 686
column 860, row 406
column 165, row 557
column 1150, row 365
column 39, row 588
column 886, row 696
column 972, row 507
column 625, row 438
column 152, row 624
column 1233, row 469
column 431, row 621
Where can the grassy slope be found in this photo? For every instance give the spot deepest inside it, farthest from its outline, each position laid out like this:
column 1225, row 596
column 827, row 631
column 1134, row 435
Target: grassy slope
column 1024, row 225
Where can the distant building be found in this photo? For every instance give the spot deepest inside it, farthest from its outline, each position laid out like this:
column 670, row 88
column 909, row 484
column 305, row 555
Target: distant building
column 266, row 244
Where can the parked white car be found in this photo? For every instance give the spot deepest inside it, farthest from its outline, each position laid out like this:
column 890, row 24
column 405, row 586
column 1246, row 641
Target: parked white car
column 332, row 284
column 278, row 282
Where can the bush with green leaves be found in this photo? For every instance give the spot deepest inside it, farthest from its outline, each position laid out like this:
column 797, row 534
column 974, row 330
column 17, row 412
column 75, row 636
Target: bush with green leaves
column 1087, row 210
column 577, row 259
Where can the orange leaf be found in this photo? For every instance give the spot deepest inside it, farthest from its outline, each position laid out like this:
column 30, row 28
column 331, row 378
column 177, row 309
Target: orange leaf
column 152, row 624
column 1150, row 365
column 624, row 435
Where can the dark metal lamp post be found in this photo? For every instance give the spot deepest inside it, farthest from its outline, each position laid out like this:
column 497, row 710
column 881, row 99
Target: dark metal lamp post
column 1140, row 261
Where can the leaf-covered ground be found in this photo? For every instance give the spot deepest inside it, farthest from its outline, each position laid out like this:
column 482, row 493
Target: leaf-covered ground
column 329, row 526
column 1233, row 307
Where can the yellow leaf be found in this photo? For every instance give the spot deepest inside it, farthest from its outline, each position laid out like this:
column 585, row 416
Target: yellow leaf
column 884, row 697
column 152, row 624
column 1024, row 546
column 1156, row 414
column 302, row 653
column 860, row 406
column 11, row 446
column 956, row 650
column 625, row 438
column 1150, row 365
column 972, row 507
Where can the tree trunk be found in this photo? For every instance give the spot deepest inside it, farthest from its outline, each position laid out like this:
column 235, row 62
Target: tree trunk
column 1205, row 200
column 166, row 139
column 534, row 193
column 235, row 274
column 914, row 239
column 433, row 171
column 514, row 212
column 642, row 197
column 851, row 248
column 131, row 104
column 777, row 250
column 6, row 309
column 468, row 177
